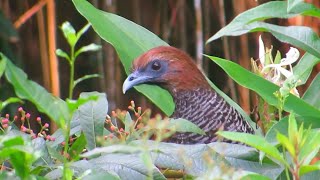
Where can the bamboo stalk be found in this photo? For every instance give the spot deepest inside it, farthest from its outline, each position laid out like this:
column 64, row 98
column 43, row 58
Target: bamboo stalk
column 27, row 15
column 182, row 24
column 53, row 62
column 43, row 50
column 244, row 57
column 226, row 47
column 199, row 36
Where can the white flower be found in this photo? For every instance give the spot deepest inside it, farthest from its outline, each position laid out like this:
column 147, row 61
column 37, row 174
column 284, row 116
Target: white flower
column 291, row 57
column 276, row 70
column 262, row 52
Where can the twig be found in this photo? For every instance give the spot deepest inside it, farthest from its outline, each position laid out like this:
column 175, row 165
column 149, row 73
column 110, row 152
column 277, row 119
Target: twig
column 27, row 15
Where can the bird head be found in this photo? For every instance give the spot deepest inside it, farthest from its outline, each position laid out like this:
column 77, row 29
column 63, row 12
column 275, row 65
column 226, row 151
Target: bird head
column 166, row 66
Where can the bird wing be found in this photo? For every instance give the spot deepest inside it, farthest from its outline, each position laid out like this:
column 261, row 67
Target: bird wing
column 209, row 111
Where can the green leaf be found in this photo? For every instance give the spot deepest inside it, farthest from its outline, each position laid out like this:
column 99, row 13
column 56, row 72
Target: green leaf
column 312, row 95
column 293, row 135
column 309, row 168
column 90, row 47
column 127, row 122
column 77, row 147
column 247, row 158
column 300, row 36
column 265, row 88
column 292, row 4
column 255, row 177
column 311, row 147
column 273, row 9
column 19, row 153
column 55, row 108
column 63, row 54
column 282, row 126
column 117, row 148
column 69, row 33
column 284, row 141
column 130, row 40
column 304, row 67
column 101, row 175
column 298, row 6
column 92, row 116
column 85, row 77
column 39, row 144
column 9, row 101
column 183, row 125
column 3, row 63
column 83, row 30
column 74, row 104
column 189, row 158
column 126, row 166
column 254, row 141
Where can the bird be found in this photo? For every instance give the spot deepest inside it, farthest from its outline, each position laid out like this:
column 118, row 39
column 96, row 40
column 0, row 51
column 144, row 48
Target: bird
column 195, row 100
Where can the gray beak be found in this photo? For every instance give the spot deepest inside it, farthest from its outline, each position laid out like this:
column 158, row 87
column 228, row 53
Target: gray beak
column 133, row 79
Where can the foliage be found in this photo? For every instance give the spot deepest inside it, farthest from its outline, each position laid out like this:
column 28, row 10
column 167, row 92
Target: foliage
column 72, row 38
column 91, row 144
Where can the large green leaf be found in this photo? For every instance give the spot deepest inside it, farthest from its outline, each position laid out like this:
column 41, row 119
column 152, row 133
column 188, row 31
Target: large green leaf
column 183, row 125
column 265, row 88
column 92, row 116
column 300, row 36
column 274, row 9
column 254, row 141
column 304, row 67
column 45, row 102
column 130, row 40
column 191, row 158
column 126, row 166
column 312, row 95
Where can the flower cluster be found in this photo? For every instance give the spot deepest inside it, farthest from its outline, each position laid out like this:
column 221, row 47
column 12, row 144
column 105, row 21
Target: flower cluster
column 25, row 127
column 123, row 127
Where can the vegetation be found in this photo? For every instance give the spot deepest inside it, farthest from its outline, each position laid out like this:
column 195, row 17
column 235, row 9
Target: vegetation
column 90, row 144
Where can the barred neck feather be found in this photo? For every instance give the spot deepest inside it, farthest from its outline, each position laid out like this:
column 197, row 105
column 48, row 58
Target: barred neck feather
column 205, row 108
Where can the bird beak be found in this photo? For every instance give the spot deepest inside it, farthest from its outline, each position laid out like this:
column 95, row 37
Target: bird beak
column 133, row 79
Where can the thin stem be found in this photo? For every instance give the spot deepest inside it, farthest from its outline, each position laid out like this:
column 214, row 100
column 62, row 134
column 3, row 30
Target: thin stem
column 280, row 113
column 286, row 168
column 65, row 151
column 71, row 83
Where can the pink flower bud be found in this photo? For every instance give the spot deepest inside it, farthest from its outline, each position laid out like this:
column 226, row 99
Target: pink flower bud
column 23, row 129
column 20, row 109
column 5, row 121
column 38, row 119
column 46, row 125
column 48, row 137
column 28, row 115
column 5, row 126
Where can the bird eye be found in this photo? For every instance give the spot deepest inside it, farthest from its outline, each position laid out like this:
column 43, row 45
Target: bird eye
column 156, row 66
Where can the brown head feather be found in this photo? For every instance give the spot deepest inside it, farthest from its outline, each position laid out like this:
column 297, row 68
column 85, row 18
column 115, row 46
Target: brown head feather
column 182, row 73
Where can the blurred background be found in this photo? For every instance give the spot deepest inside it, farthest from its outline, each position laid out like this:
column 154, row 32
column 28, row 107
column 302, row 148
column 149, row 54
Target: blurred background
column 30, row 33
